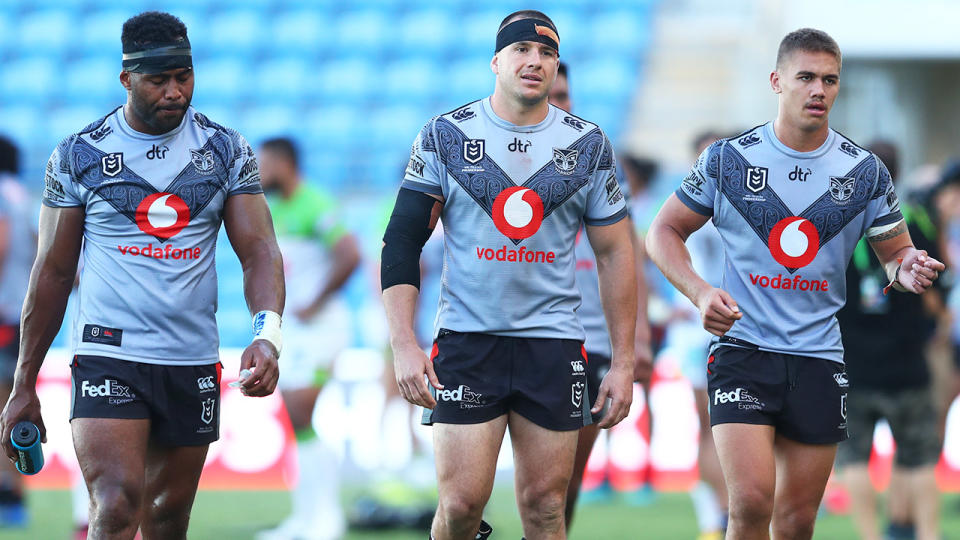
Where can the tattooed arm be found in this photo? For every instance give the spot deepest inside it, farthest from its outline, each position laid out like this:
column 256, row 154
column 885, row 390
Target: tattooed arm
column 909, row 269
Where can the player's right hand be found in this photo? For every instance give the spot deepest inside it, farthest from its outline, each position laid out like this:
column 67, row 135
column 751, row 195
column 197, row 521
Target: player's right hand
column 22, row 405
column 410, row 365
column 718, row 311
column 260, row 357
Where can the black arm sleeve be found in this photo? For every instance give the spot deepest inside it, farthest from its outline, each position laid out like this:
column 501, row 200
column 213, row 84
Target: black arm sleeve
column 411, row 224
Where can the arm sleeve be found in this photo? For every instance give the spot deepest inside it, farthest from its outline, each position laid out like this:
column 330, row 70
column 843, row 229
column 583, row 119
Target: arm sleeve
column 883, row 209
column 605, row 202
column 698, row 191
column 60, row 190
column 425, row 172
column 244, row 170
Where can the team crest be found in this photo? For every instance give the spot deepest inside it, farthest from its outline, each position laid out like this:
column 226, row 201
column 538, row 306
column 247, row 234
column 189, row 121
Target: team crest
column 841, row 188
column 112, row 163
column 756, row 179
column 565, row 160
column 576, row 393
column 473, row 150
column 202, row 160
column 207, row 414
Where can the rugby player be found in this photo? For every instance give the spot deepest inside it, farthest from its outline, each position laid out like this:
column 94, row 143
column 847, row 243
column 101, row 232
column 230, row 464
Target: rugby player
column 142, row 192
column 512, row 177
column 319, row 255
column 590, row 313
column 790, row 199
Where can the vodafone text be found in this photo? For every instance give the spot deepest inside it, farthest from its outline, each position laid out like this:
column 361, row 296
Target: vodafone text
column 516, row 255
column 167, row 252
column 797, row 283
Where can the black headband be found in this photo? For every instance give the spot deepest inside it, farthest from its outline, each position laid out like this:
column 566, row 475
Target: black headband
column 528, row 30
column 159, row 57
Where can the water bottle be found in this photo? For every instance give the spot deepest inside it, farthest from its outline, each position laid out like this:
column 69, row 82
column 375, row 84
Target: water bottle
column 26, row 440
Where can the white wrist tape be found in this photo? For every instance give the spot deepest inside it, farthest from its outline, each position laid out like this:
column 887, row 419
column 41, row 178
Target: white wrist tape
column 266, row 325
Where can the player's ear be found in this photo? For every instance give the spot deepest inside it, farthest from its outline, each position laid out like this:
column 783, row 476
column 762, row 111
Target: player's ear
column 494, row 66
column 775, row 82
column 125, row 79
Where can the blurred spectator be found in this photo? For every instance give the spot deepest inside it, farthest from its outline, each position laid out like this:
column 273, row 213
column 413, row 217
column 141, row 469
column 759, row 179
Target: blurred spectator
column 18, row 247
column 885, row 338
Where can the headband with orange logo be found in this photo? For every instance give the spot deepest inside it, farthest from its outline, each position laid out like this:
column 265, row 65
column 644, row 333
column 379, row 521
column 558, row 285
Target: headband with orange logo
column 533, row 30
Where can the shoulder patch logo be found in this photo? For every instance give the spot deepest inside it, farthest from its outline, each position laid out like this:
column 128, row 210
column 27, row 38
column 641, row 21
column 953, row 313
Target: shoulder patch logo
column 841, row 188
column 101, row 133
column 849, row 149
column 756, row 179
column 565, row 160
column 473, row 150
column 202, row 160
column 465, row 113
column 112, row 163
column 749, row 140
column 574, row 123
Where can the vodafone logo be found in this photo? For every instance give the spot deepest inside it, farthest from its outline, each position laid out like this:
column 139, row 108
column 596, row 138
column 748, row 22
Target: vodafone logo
column 794, row 242
column 162, row 215
column 518, row 212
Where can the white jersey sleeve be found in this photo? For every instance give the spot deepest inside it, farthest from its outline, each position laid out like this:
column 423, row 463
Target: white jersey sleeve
column 605, row 203
column 699, row 189
column 424, row 171
column 59, row 189
column 244, row 171
column 883, row 210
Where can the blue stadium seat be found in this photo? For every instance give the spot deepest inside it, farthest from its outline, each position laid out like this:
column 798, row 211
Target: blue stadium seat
column 21, row 123
column 335, row 127
column 626, row 29
column 99, row 32
column 48, row 31
column 394, row 127
column 94, row 80
column 305, row 32
column 470, row 78
column 605, row 78
column 282, row 79
column 226, row 77
column 478, row 31
column 426, row 32
column 236, row 31
column 29, row 80
column 326, row 168
column 351, row 80
column 364, row 31
column 413, row 79
column 64, row 121
column 263, row 121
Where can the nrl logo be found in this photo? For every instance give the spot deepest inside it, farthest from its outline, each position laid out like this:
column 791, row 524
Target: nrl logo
column 112, row 164
column 207, row 414
column 202, row 160
column 841, row 188
column 565, row 160
column 756, row 179
column 473, row 150
column 576, row 393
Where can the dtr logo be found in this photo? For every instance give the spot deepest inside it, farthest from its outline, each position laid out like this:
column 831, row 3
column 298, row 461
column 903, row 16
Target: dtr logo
column 794, row 242
column 518, row 212
column 162, row 215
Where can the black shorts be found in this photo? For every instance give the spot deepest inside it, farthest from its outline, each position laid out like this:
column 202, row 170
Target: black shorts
column 485, row 376
column 804, row 398
column 597, row 367
column 181, row 402
column 9, row 350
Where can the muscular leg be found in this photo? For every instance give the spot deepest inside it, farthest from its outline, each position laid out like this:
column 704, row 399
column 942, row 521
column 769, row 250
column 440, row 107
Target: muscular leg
column 586, row 438
column 172, row 475
column 544, row 463
column 923, row 500
column 802, row 473
column 863, row 503
column 112, row 456
column 707, row 460
column 466, row 458
column 746, row 453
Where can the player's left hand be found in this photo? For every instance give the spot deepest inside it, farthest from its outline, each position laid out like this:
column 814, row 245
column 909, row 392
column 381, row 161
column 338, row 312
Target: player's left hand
column 306, row 313
column 260, row 357
column 617, row 385
column 918, row 271
column 643, row 363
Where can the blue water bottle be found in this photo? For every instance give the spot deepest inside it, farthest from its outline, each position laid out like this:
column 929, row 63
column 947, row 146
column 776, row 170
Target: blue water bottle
column 26, row 440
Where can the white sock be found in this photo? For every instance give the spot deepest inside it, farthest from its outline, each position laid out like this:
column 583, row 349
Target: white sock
column 709, row 514
column 316, row 498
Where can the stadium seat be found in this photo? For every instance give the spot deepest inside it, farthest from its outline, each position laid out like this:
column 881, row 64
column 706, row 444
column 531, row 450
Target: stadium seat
column 363, row 31
column 478, row 31
column 350, row 80
column 259, row 122
column 412, row 79
column 63, row 121
column 334, row 127
column 625, row 29
column 47, row 31
column 605, row 78
column 282, row 79
column 427, row 32
column 395, row 126
column 234, row 31
column 226, row 77
column 99, row 32
column 470, row 78
column 93, row 80
column 21, row 123
column 304, row 32
column 29, row 80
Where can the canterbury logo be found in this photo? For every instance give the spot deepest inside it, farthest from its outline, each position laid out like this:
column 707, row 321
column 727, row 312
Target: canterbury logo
column 546, row 31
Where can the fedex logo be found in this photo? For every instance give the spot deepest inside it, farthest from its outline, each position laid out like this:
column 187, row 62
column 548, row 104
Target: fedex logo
column 462, row 393
column 109, row 388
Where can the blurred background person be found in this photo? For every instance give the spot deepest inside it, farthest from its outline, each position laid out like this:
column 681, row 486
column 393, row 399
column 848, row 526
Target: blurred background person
column 319, row 255
column 18, row 247
column 885, row 340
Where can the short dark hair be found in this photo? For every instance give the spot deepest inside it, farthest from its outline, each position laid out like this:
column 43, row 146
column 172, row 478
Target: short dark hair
column 809, row 40
column 562, row 69
column 149, row 28
column 285, row 147
column 887, row 152
column 525, row 14
column 9, row 156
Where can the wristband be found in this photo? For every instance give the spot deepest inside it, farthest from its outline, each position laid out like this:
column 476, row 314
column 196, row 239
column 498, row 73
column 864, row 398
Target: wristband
column 895, row 280
column 266, row 326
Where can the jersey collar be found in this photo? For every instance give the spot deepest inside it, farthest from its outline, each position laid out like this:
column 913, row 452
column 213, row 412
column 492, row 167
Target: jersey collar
column 823, row 149
column 542, row 125
column 134, row 134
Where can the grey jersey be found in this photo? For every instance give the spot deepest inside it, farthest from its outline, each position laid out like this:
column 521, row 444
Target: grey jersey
column 153, row 206
column 591, row 311
column 514, row 199
column 789, row 222
column 16, row 210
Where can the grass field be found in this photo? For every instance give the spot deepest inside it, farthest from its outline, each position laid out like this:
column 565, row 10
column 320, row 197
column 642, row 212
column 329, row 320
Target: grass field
column 223, row 515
